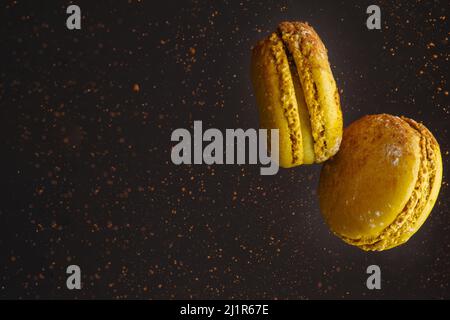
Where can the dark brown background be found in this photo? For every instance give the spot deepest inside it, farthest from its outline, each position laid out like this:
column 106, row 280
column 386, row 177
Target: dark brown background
column 86, row 176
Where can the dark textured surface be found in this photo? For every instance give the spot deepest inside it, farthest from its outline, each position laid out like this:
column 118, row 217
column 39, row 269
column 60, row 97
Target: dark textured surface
column 86, row 118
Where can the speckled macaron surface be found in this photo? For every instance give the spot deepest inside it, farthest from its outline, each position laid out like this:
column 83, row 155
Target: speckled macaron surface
column 382, row 184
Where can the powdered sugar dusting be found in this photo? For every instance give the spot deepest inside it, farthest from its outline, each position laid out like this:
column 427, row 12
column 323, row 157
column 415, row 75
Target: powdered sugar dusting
column 394, row 152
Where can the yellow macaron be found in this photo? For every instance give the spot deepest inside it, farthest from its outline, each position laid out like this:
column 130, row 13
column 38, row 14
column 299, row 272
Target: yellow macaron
column 378, row 190
column 297, row 94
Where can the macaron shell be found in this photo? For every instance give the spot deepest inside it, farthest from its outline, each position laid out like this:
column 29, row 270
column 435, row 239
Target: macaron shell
column 372, row 177
column 328, row 100
column 275, row 93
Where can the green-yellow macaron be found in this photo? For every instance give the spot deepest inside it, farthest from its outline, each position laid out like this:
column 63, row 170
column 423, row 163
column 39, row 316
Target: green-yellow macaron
column 378, row 190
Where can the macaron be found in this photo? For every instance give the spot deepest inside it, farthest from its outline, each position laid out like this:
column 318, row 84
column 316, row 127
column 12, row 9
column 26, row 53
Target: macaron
column 296, row 93
column 378, row 190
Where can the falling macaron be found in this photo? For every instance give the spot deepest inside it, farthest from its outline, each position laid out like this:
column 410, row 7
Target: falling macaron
column 383, row 183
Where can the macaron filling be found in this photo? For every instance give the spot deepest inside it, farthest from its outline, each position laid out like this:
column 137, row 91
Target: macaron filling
column 288, row 98
column 303, row 112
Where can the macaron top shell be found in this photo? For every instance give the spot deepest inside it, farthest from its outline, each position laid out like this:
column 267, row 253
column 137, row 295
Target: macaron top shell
column 379, row 188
